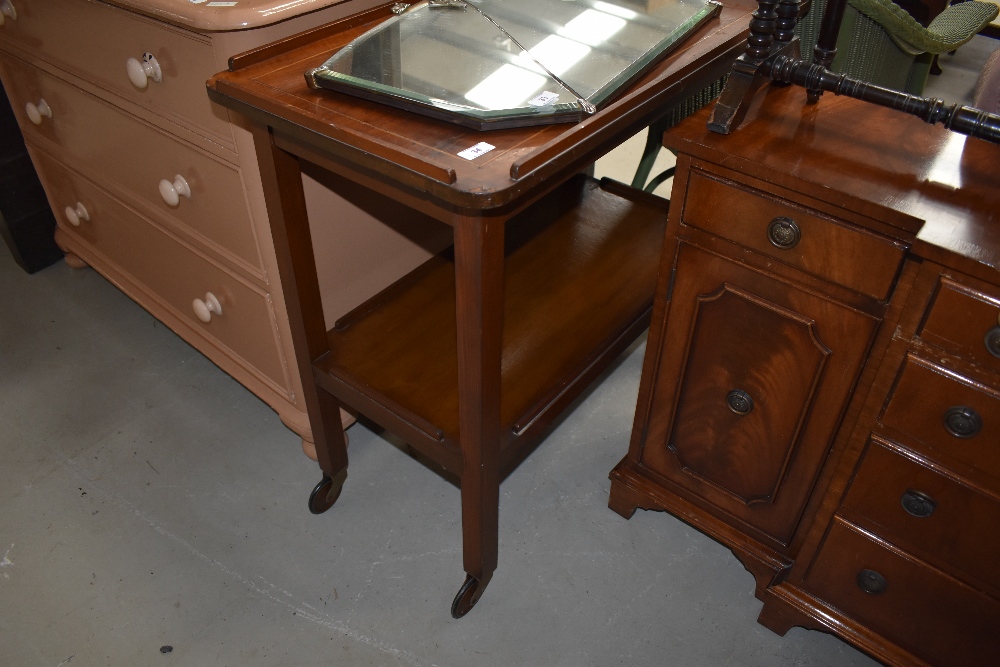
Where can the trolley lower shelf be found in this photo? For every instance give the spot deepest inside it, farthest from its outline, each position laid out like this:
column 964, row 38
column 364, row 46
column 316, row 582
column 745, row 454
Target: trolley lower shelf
column 580, row 273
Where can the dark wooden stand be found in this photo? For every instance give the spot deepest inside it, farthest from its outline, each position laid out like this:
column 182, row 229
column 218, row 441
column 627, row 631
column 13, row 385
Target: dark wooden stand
column 821, row 387
column 772, row 57
column 472, row 356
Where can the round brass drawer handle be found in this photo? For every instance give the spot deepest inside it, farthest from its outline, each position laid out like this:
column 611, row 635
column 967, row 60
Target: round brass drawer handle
column 962, row 422
column 739, row 402
column 871, row 582
column 992, row 341
column 918, row 504
column 783, row 233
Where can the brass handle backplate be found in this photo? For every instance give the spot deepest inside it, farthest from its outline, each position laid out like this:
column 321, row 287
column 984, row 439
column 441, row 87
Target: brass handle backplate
column 918, row 504
column 783, row 233
column 992, row 341
column 962, row 421
column 739, row 402
column 871, row 582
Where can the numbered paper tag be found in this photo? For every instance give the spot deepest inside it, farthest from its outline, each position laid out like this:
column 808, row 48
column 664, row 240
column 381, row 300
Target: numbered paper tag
column 221, row 4
column 543, row 100
column 479, row 149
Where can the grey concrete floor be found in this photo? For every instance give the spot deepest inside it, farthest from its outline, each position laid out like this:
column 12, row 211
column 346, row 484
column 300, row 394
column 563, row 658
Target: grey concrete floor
column 149, row 500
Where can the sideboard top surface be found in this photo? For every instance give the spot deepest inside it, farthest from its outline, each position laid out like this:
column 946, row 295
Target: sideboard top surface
column 876, row 161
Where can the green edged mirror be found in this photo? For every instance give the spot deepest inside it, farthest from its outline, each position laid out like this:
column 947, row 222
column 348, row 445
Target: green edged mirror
column 491, row 64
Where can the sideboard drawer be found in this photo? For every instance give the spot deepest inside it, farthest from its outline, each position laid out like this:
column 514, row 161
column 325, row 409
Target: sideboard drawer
column 168, row 271
column 949, row 413
column 946, row 621
column 806, row 239
column 216, row 213
column 966, row 321
column 927, row 512
column 95, row 40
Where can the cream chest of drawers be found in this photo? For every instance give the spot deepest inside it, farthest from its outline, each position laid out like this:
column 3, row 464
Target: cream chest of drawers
column 158, row 189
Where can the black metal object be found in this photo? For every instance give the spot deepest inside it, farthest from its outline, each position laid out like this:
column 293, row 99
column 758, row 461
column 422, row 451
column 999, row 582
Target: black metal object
column 992, row 341
column 467, row 597
column 326, row 493
column 783, row 233
column 918, row 504
column 962, row 422
column 739, row 402
column 871, row 582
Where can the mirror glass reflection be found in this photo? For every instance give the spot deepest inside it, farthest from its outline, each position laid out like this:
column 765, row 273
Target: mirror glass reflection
column 503, row 63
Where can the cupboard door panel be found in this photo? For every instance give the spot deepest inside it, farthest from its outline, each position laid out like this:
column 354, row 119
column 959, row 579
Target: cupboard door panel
column 753, row 369
column 751, row 384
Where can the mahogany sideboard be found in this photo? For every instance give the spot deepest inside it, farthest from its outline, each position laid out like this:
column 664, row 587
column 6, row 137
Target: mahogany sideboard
column 821, row 386
column 473, row 355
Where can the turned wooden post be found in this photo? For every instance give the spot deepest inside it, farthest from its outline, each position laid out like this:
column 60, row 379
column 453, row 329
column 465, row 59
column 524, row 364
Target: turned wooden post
column 788, row 17
column 762, row 26
column 771, row 33
column 826, row 44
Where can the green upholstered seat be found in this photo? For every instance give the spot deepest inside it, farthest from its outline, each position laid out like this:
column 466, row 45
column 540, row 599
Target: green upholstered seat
column 880, row 43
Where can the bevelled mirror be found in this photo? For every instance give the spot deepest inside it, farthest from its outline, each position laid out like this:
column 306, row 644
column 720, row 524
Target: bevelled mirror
column 492, row 64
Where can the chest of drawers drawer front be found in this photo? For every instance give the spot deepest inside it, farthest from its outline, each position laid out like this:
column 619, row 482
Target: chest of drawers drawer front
column 95, row 40
column 792, row 234
column 946, row 622
column 965, row 321
column 927, row 513
column 120, row 149
column 172, row 271
column 947, row 413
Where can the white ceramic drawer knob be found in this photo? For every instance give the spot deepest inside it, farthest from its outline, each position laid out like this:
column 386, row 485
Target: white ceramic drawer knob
column 141, row 71
column 204, row 308
column 38, row 112
column 77, row 214
column 7, row 11
column 173, row 191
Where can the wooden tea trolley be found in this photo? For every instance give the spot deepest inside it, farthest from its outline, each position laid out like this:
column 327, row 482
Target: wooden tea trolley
column 551, row 276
